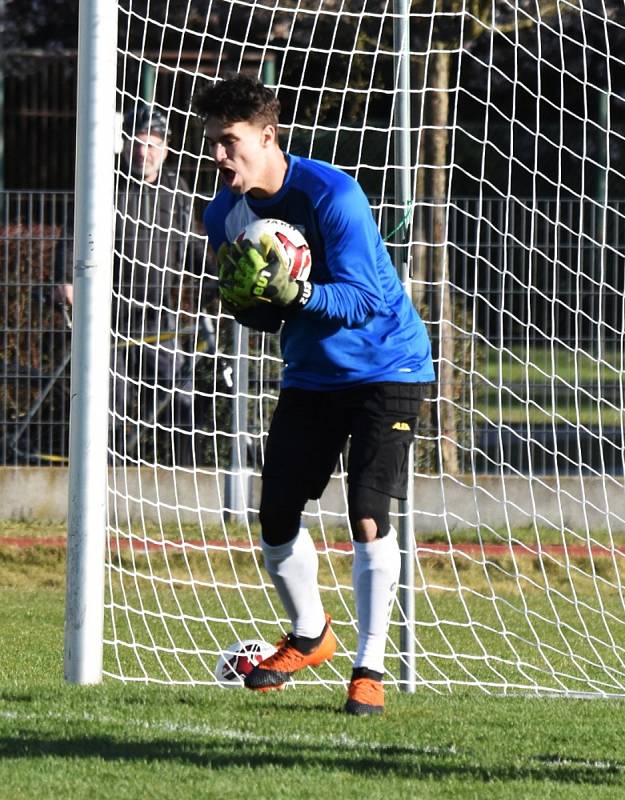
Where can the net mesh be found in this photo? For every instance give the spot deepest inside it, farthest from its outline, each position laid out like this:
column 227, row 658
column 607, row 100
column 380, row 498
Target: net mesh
column 513, row 238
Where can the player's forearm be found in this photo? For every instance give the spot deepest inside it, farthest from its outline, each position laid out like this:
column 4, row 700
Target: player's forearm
column 350, row 305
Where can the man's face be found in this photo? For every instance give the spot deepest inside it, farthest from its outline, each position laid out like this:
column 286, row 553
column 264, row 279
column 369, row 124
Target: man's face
column 145, row 154
column 242, row 152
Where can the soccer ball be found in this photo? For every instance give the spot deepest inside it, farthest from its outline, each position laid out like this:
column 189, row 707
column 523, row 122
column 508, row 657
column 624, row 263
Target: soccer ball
column 239, row 660
column 288, row 241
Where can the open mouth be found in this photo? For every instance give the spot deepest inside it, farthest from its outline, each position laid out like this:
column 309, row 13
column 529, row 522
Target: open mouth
column 227, row 174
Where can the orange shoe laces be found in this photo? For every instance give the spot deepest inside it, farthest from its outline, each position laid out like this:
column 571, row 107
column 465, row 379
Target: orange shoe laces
column 285, row 659
column 289, row 659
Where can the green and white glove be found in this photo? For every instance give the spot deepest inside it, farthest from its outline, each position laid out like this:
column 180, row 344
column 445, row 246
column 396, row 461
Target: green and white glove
column 275, row 285
column 261, row 276
column 232, row 296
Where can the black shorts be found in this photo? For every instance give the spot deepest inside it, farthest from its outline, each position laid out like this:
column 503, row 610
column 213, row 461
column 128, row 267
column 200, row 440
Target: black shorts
column 309, row 430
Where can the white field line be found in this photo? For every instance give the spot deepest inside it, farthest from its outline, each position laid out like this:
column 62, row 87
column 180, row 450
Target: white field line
column 581, row 762
column 340, row 741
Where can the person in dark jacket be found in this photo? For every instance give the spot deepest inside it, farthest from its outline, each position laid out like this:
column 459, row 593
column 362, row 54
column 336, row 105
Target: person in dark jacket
column 157, row 271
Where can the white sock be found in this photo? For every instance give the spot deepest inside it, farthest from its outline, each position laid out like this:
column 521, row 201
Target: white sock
column 293, row 569
column 375, row 574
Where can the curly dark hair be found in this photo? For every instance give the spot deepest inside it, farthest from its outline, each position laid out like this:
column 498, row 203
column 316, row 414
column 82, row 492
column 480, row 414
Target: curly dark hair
column 238, row 98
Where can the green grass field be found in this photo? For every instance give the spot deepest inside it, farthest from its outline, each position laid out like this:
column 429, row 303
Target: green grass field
column 134, row 741
column 536, row 384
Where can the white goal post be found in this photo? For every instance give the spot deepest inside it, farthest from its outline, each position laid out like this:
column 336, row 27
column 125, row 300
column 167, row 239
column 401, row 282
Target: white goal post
column 488, row 136
column 90, row 344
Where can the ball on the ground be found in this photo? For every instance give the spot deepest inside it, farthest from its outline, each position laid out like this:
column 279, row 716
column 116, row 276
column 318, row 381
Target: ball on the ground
column 288, row 241
column 239, row 659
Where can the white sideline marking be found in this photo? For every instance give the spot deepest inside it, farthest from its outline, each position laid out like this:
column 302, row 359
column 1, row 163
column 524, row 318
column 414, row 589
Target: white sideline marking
column 580, row 762
column 341, row 740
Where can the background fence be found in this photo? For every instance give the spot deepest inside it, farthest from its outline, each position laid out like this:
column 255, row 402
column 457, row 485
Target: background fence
column 40, row 111
column 35, row 233
column 572, row 288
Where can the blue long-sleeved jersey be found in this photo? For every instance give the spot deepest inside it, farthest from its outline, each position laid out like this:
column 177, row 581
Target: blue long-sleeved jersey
column 359, row 325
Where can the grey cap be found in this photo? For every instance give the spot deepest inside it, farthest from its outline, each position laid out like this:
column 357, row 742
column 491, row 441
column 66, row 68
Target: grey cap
column 144, row 118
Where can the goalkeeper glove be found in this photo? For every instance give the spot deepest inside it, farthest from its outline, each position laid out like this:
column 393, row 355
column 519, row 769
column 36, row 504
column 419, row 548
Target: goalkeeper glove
column 274, row 283
column 232, row 297
column 264, row 276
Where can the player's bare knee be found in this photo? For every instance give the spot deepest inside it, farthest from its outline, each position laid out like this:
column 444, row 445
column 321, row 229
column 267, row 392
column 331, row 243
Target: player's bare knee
column 368, row 513
column 365, row 530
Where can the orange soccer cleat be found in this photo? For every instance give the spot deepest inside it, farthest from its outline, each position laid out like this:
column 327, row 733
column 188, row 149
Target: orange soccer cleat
column 365, row 695
column 275, row 671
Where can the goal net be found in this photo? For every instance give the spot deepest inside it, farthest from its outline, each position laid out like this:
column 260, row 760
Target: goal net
column 488, row 136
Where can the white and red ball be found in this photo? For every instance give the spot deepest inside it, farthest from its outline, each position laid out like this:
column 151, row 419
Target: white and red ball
column 287, row 240
column 239, row 659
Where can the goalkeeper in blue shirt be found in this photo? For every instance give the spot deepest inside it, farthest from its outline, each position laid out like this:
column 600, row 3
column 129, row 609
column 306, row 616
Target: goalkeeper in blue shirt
column 356, row 356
